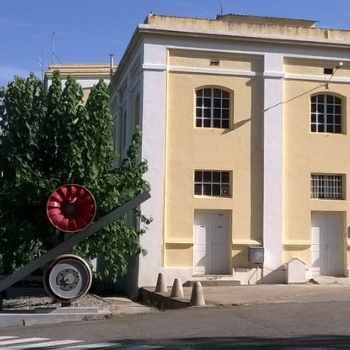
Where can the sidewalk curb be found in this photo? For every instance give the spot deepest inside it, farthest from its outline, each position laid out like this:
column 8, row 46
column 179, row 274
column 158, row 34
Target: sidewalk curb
column 25, row 319
column 112, row 307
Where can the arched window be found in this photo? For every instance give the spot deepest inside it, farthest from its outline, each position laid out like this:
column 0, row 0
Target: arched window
column 326, row 113
column 212, row 108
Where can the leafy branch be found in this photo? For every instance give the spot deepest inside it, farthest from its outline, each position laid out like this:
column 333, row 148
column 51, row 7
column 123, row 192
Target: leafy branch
column 50, row 138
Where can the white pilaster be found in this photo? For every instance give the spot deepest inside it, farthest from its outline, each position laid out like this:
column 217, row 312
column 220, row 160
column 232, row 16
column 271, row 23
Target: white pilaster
column 153, row 150
column 273, row 167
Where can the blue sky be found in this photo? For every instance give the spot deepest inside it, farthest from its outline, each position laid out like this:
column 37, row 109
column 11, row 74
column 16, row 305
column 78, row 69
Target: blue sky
column 87, row 31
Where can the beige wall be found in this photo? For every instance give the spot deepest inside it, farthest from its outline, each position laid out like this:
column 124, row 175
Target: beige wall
column 189, row 148
column 199, row 59
column 305, row 153
column 314, row 68
column 240, row 150
column 257, row 60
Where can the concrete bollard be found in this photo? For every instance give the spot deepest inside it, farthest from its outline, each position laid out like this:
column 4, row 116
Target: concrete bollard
column 177, row 290
column 161, row 286
column 197, row 296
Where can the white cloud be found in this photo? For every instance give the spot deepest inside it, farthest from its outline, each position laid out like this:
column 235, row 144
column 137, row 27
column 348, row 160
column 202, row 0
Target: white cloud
column 7, row 74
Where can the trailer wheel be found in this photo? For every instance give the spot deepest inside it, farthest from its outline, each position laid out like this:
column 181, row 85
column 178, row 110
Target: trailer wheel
column 67, row 278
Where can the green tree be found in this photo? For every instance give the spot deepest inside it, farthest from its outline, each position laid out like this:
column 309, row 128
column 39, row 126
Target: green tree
column 51, row 138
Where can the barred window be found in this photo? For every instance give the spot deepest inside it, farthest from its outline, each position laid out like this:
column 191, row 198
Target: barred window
column 212, row 183
column 212, row 108
column 326, row 114
column 327, row 186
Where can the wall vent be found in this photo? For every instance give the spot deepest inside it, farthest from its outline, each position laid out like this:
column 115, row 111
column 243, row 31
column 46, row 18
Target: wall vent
column 328, row 71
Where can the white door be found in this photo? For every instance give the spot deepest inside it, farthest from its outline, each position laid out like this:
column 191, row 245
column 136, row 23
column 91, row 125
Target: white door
column 212, row 242
column 327, row 253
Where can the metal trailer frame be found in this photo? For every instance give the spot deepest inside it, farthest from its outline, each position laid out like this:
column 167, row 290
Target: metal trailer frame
column 69, row 243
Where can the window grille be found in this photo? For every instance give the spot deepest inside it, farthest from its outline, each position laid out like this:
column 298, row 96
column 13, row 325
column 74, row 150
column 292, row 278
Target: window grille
column 327, row 186
column 212, row 183
column 212, row 108
column 326, row 114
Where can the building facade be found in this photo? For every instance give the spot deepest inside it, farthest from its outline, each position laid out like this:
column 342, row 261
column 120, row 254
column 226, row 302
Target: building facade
column 245, row 130
column 87, row 75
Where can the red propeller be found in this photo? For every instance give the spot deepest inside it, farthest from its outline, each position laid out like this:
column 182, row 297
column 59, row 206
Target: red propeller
column 71, row 208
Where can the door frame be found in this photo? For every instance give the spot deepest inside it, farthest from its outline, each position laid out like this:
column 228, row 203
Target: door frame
column 229, row 239
column 343, row 242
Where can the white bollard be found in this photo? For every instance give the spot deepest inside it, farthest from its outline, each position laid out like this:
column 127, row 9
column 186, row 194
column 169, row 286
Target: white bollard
column 161, row 286
column 177, row 290
column 197, row 296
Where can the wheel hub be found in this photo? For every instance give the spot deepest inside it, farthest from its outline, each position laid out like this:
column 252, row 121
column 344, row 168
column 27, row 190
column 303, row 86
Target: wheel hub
column 67, row 279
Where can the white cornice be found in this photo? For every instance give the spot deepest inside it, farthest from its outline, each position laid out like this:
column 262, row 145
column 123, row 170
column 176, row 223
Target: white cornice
column 273, row 75
column 145, row 29
column 211, row 71
column 249, row 36
column 317, row 78
column 158, row 67
column 266, row 75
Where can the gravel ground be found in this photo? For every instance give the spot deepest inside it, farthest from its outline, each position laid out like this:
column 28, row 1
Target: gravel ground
column 30, row 303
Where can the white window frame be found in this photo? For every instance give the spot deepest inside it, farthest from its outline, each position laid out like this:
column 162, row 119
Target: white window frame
column 327, row 186
column 213, row 108
column 213, row 183
column 326, row 114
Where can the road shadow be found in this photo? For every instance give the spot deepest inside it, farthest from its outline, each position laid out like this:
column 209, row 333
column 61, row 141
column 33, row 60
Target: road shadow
column 217, row 343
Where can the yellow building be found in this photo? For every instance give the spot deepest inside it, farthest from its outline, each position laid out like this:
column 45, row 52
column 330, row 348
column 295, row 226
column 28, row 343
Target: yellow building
column 87, row 75
column 244, row 124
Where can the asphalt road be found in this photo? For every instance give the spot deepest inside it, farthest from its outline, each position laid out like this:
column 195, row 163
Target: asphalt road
column 266, row 326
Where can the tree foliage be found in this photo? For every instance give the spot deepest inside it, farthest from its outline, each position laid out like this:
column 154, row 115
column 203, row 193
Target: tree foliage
column 50, row 138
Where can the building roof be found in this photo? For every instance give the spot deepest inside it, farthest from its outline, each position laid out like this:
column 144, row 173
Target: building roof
column 102, row 71
column 291, row 22
column 232, row 24
column 240, row 28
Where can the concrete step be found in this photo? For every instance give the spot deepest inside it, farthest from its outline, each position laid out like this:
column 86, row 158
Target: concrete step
column 213, row 281
column 67, row 310
column 330, row 280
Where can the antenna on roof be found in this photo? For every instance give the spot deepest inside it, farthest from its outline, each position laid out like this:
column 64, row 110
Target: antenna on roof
column 53, row 45
column 53, row 48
